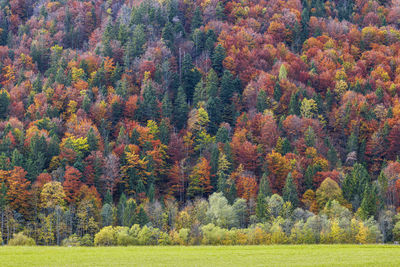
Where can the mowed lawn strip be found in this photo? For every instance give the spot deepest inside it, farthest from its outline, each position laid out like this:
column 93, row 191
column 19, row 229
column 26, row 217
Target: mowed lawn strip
column 283, row 255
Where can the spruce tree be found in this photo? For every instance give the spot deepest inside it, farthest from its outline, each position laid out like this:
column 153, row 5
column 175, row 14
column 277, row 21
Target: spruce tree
column 261, row 104
column 149, row 106
column 190, row 76
column 289, row 192
column 212, row 84
column 368, row 206
column 277, row 91
column 294, row 107
column 166, row 106
column 263, row 192
column 213, row 107
column 197, row 20
column 129, row 216
column 121, row 209
column 180, row 109
column 217, row 59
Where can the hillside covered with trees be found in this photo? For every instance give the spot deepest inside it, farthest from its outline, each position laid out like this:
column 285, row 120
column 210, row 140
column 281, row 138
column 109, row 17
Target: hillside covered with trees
column 199, row 122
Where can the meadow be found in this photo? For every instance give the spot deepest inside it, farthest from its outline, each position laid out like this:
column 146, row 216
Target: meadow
column 279, row 255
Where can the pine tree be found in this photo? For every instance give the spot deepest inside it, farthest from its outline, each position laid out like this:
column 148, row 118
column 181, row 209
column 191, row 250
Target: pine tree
column 218, row 58
column 354, row 184
column 197, row 20
column 212, row 84
column 164, row 132
column 92, row 140
column 200, row 94
column 219, row 11
column 180, row 109
column 190, row 76
column 168, row 35
column 290, row 191
column 213, row 107
column 129, row 216
column 264, row 191
column 332, row 156
column 309, row 137
column 142, row 217
column 151, row 192
column 226, row 93
column 308, row 177
column 352, row 143
column 166, row 106
column 231, row 193
column 211, row 38
column 222, row 135
column 277, row 92
column 148, row 106
column 223, row 173
column 368, row 206
column 121, row 208
column 294, row 107
column 261, row 104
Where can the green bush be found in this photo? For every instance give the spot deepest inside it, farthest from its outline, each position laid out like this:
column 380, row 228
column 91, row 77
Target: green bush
column 71, row 241
column 21, row 240
column 86, row 241
column 124, row 239
column 108, row 236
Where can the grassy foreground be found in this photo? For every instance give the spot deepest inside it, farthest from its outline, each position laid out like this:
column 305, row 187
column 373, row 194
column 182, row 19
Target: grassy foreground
column 291, row 255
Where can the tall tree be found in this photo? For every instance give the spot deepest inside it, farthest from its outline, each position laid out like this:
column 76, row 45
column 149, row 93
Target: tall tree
column 289, row 192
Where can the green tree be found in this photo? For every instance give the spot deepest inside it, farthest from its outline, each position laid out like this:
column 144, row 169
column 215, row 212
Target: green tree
column 289, row 192
column 354, row 184
column 167, row 108
column 264, row 191
column 197, row 20
column 222, row 173
column 190, row 76
column 148, row 107
column 369, row 203
column 262, row 103
column 218, row 58
column 129, row 217
column 180, row 109
column 329, row 190
column 213, row 107
column 4, row 103
column 106, row 215
column 121, row 208
column 212, row 84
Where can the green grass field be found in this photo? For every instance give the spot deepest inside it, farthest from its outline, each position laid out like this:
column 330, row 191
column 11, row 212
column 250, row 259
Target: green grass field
column 300, row 255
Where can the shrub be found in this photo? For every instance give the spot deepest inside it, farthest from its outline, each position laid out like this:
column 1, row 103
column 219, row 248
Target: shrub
column 21, row 240
column 71, row 241
column 149, row 236
column 86, row 240
column 124, row 239
column 108, row 236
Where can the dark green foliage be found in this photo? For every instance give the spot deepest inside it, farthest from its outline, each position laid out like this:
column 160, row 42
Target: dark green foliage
column 217, row 59
column 264, row 191
column 180, row 109
column 354, row 185
column 262, row 103
column 289, row 192
column 197, row 20
column 369, row 203
column 190, row 76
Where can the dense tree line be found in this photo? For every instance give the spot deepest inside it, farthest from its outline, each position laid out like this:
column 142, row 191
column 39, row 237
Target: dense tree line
column 199, row 122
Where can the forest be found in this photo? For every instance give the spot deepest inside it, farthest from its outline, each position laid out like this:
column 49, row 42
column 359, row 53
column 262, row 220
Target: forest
column 189, row 122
